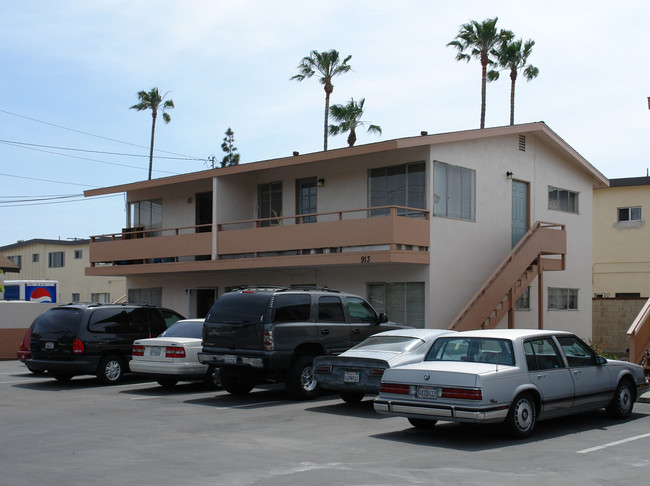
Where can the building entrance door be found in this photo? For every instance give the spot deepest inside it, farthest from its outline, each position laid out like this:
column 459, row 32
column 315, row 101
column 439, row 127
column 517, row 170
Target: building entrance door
column 519, row 210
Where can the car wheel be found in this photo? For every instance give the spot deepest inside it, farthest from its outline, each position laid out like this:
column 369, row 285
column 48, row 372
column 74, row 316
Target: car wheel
column 36, row 372
column 352, row 397
column 300, row 381
column 61, row 376
column 622, row 401
column 420, row 423
column 522, row 416
column 235, row 382
column 213, row 377
column 110, row 370
column 167, row 382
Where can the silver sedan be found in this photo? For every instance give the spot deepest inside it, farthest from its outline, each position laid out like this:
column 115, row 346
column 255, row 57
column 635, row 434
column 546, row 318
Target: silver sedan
column 513, row 376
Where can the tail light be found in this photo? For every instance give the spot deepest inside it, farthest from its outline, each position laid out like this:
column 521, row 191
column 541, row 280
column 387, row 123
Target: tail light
column 174, row 352
column 26, row 342
column 325, row 369
column 395, row 388
column 377, row 372
column 462, row 393
column 269, row 344
column 137, row 350
column 77, row 346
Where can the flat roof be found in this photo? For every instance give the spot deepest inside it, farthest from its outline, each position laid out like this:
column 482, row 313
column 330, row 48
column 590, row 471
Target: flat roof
column 629, row 181
column 539, row 129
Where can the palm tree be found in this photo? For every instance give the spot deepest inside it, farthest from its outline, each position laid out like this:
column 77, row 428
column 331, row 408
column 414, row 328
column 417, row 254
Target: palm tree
column 513, row 56
column 349, row 118
column 151, row 100
column 478, row 40
column 328, row 64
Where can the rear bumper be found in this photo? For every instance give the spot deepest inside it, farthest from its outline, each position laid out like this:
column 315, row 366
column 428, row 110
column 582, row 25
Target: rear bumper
column 81, row 365
column 271, row 361
column 188, row 371
column 440, row 412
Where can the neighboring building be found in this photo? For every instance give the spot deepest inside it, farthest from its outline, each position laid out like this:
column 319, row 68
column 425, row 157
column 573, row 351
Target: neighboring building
column 621, row 239
column 418, row 225
column 66, row 262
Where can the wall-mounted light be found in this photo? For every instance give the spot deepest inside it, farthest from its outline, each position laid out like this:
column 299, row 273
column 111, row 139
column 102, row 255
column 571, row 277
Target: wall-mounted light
column 320, row 182
column 509, row 175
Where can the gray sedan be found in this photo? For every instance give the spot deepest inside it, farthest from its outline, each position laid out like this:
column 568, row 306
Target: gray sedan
column 358, row 370
column 513, row 376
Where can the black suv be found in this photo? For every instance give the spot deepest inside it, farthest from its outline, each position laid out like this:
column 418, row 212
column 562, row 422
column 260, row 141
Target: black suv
column 272, row 335
column 92, row 339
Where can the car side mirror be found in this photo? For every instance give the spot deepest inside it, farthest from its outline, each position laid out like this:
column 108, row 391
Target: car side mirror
column 382, row 318
column 600, row 361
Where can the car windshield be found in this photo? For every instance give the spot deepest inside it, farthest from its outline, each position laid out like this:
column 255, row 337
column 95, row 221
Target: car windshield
column 472, row 349
column 187, row 329
column 396, row 344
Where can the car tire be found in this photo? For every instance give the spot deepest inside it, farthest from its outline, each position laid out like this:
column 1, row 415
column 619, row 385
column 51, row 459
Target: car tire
column 110, row 370
column 62, row 376
column 622, row 402
column 213, row 378
column 300, row 381
column 352, row 397
column 235, row 383
column 167, row 382
column 420, row 423
column 522, row 416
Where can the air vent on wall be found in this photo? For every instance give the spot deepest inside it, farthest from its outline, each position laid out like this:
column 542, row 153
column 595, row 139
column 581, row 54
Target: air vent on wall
column 522, row 143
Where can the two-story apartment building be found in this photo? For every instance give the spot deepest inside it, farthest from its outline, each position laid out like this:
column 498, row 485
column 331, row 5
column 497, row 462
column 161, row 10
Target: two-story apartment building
column 418, row 225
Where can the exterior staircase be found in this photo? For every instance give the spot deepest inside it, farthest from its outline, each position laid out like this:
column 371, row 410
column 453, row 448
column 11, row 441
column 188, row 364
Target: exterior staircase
column 542, row 248
column 639, row 335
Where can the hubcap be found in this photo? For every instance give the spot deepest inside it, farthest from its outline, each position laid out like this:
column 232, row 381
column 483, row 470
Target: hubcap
column 307, row 379
column 524, row 415
column 625, row 399
column 112, row 370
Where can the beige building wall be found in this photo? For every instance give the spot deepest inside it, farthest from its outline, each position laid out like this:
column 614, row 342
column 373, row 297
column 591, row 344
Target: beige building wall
column 621, row 263
column 34, row 257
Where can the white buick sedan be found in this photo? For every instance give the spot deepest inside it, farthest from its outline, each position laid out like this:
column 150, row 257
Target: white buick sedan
column 172, row 356
column 513, row 376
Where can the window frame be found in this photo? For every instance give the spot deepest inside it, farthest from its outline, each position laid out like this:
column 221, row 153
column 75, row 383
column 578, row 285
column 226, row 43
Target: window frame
column 629, row 210
column 566, row 294
column 381, row 295
column 445, row 199
column 385, row 189
column 572, row 199
column 56, row 259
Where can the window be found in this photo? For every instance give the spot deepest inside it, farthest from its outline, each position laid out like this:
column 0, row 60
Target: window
column 629, row 214
column 482, row 350
column 147, row 214
column 360, row 311
column 56, row 259
column 292, row 308
column 542, row 354
column 151, row 296
column 562, row 299
column 523, row 302
column 401, row 301
column 15, row 259
column 76, row 297
column 330, row 309
column 454, row 191
column 399, row 185
column 577, row 353
column 36, row 257
column 100, row 298
column 269, row 202
column 78, row 254
column 562, row 200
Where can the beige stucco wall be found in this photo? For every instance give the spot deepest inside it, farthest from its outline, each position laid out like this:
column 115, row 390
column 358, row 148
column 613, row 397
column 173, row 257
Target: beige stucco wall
column 621, row 251
column 611, row 320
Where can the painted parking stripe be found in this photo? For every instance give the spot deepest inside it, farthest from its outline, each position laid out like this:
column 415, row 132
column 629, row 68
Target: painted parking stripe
column 612, row 444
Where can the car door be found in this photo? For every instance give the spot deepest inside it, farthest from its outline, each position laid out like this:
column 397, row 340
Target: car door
column 363, row 319
column 593, row 383
column 548, row 372
column 334, row 331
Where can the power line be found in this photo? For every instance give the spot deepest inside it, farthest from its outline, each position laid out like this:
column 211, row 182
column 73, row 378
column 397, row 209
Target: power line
column 48, row 180
column 79, row 198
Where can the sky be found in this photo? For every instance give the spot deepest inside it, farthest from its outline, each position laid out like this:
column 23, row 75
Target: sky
column 70, row 70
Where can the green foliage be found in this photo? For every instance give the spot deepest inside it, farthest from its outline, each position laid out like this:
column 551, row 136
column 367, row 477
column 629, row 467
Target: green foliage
column 601, row 349
column 228, row 146
column 349, row 119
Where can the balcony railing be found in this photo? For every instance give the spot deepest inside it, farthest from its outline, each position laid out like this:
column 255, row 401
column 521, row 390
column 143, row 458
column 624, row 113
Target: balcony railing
column 385, row 228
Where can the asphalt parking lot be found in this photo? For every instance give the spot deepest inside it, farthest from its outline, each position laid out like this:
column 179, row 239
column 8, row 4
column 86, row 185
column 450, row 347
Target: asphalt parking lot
column 137, row 433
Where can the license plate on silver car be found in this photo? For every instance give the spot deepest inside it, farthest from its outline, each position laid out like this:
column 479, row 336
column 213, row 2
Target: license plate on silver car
column 427, row 392
column 351, row 377
column 154, row 352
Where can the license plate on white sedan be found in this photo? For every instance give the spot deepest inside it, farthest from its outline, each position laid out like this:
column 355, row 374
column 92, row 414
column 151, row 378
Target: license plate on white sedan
column 351, row 377
column 154, row 352
column 427, row 392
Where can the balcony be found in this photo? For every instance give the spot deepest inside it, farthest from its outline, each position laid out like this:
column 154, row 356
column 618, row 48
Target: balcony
column 387, row 234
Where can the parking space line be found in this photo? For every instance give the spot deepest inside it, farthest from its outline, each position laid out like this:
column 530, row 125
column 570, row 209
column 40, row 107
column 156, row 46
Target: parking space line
column 612, row 444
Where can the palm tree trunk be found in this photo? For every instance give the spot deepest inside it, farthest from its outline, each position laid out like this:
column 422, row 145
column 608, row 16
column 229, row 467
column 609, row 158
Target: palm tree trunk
column 513, row 79
column 483, row 89
column 153, row 131
column 327, row 110
column 352, row 138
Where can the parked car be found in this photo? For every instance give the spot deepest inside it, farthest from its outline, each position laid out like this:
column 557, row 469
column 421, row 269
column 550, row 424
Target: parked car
column 171, row 316
column 24, row 352
column 80, row 339
column 513, row 376
column 172, row 356
column 358, row 370
column 273, row 334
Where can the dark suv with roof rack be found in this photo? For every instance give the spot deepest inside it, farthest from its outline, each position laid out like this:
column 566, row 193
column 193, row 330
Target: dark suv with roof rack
column 81, row 339
column 260, row 335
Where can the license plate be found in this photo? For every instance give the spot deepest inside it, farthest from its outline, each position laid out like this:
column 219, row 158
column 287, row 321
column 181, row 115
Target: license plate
column 230, row 359
column 351, row 377
column 154, row 352
column 49, row 345
column 427, row 392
